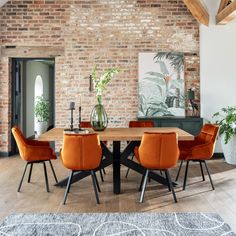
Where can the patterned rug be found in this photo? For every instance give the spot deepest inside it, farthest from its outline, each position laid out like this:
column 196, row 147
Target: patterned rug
column 116, row 224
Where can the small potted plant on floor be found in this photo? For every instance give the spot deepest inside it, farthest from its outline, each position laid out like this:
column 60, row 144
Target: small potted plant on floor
column 42, row 114
column 227, row 123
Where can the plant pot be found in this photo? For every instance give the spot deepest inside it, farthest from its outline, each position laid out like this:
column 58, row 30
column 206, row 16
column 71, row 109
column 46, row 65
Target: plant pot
column 98, row 118
column 229, row 150
column 41, row 127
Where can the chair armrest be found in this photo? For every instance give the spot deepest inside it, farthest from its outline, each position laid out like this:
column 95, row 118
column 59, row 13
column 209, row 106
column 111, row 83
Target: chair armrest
column 38, row 143
column 189, row 144
column 38, row 153
column 203, row 151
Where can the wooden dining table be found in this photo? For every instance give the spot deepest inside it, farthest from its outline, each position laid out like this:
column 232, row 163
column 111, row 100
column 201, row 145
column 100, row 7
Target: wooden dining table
column 116, row 157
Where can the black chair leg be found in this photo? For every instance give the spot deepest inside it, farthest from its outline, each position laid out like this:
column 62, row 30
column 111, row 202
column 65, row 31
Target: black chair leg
column 71, row 181
column 171, row 185
column 54, row 174
column 94, row 186
column 98, row 187
column 127, row 172
column 30, row 172
column 141, row 183
column 104, row 172
column 101, row 175
column 68, row 187
column 209, row 176
column 168, row 182
column 203, row 177
column 177, row 176
column 22, row 177
column 186, row 175
column 46, row 176
column 144, row 186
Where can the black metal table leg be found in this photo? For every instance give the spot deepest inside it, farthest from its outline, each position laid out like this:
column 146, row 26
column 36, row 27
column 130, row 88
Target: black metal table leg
column 116, row 167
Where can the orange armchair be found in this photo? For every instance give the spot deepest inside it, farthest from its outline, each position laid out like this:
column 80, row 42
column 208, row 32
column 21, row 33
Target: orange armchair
column 158, row 151
column 87, row 124
column 33, row 151
column 81, row 153
column 139, row 124
column 200, row 150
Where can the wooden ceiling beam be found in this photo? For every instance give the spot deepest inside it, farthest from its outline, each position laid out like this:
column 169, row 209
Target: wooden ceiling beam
column 223, row 4
column 198, row 10
column 227, row 14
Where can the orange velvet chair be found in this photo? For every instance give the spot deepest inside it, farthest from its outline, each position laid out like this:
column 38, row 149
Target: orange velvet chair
column 139, row 124
column 158, row 151
column 199, row 150
column 81, row 153
column 87, row 124
column 33, row 151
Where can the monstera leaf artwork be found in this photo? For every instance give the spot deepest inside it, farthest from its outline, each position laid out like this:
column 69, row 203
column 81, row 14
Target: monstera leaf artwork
column 161, row 84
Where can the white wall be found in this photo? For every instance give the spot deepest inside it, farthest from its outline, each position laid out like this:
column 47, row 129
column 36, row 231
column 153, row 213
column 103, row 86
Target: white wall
column 218, row 65
column 33, row 69
column 2, row 2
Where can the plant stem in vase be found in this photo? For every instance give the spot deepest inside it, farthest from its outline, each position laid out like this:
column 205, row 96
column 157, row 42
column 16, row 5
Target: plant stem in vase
column 98, row 119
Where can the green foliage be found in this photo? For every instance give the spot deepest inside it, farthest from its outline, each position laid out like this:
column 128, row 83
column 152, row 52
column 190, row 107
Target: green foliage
column 100, row 84
column 42, row 109
column 227, row 122
column 176, row 59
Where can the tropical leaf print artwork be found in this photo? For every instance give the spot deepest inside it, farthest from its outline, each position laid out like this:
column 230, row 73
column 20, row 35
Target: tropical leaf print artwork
column 161, row 84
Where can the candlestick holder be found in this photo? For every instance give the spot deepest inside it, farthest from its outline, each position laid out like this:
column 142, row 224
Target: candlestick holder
column 71, row 118
column 80, row 109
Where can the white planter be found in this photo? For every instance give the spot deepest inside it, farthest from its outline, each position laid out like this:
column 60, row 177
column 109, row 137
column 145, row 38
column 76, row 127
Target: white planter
column 41, row 127
column 229, row 150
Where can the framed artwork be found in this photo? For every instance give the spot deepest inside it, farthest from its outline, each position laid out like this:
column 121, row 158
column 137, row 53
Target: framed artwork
column 161, row 84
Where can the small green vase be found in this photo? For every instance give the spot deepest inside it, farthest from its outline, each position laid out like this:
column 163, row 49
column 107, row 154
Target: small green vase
column 98, row 118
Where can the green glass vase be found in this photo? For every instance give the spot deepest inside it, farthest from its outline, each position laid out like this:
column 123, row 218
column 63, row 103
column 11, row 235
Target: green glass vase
column 98, row 118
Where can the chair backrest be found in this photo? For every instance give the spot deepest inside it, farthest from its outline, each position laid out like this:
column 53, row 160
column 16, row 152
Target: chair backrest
column 21, row 141
column 159, row 150
column 208, row 137
column 85, row 124
column 137, row 123
column 208, row 133
column 81, row 152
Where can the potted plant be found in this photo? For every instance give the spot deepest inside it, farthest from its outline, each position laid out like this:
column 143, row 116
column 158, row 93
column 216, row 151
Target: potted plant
column 227, row 123
column 42, row 114
column 98, row 119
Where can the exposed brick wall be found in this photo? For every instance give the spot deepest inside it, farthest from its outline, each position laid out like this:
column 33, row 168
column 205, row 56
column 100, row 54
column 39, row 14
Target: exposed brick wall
column 104, row 32
column 5, row 108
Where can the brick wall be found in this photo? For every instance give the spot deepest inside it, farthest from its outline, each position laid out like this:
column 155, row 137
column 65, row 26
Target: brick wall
column 104, row 32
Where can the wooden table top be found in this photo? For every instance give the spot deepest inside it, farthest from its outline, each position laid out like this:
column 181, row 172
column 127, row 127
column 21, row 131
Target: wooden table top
column 119, row 134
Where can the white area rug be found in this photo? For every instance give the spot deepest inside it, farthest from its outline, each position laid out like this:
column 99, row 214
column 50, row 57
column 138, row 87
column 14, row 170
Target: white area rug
column 116, row 224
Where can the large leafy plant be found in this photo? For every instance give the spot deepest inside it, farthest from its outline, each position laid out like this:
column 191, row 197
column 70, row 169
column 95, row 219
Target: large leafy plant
column 100, row 83
column 42, row 109
column 227, row 122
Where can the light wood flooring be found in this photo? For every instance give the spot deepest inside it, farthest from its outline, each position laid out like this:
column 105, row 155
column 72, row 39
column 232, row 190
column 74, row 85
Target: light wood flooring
column 198, row 196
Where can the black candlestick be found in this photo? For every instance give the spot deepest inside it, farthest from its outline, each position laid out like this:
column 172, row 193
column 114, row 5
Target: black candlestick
column 80, row 118
column 71, row 118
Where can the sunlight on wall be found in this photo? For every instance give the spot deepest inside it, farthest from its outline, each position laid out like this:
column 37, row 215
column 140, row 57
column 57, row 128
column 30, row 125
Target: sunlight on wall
column 38, row 91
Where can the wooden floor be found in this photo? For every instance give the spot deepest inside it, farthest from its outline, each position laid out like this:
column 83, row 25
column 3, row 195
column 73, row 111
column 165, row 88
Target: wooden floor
column 198, row 196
